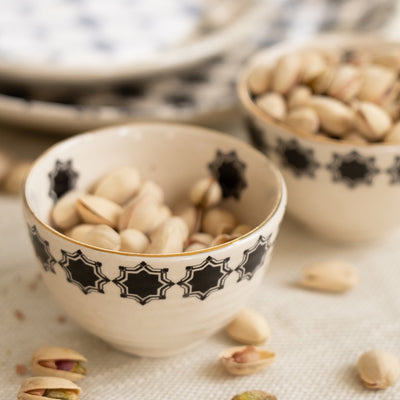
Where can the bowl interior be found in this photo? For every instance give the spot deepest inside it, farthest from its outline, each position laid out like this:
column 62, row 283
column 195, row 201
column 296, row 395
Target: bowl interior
column 174, row 156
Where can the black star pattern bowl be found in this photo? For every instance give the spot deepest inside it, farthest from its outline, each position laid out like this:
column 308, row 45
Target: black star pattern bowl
column 342, row 191
column 155, row 305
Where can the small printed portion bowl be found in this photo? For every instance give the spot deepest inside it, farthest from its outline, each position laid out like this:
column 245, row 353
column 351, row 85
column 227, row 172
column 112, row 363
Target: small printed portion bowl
column 345, row 192
column 155, row 305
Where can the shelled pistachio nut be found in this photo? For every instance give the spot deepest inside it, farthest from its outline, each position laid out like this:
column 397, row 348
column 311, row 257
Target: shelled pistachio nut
column 48, row 387
column 303, row 119
column 298, row 96
column 246, row 360
column 378, row 369
column 286, row 73
column 192, row 217
column 273, row 104
column 254, row 395
column 249, row 327
column 334, row 116
column 206, row 193
column 133, row 241
column 331, row 276
column 59, row 362
column 259, row 79
column 118, row 185
column 65, row 214
column 169, row 237
column 96, row 210
column 371, row 120
column 102, row 236
column 218, row 220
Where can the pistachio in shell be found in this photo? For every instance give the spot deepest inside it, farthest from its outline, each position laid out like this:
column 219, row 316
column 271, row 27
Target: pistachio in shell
column 286, row 73
column 246, row 360
column 65, row 214
column 255, row 395
column 133, row 241
column 298, row 96
column 272, row 104
column 103, row 236
column 259, row 79
column 48, row 387
column 58, row 362
column 198, row 241
column 206, row 193
column 218, row 220
column 79, row 232
column 192, row 217
column 393, row 136
column 303, row 119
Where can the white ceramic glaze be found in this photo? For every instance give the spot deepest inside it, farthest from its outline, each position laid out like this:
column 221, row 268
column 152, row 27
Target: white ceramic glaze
column 167, row 304
column 344, row 192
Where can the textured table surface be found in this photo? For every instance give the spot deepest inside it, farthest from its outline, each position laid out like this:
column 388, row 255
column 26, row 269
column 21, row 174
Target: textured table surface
column 317, row 337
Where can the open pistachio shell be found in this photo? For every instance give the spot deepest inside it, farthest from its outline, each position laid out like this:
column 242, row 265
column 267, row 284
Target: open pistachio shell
column 272, row 104
column 96, row 210
column 206, row 193
column 103, row 236
column 246, row 360
column 346, row 83
column 78, row 232
column 286, row 73
column 51, row 353
column 303, row 119
column 133, row 241
column 47, row 382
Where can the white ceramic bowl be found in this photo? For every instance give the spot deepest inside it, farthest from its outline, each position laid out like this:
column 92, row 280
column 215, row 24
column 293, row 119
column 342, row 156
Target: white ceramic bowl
column 345, row 192
column 155, row 305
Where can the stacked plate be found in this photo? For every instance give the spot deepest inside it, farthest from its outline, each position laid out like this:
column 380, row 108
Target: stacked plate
column 71, row 65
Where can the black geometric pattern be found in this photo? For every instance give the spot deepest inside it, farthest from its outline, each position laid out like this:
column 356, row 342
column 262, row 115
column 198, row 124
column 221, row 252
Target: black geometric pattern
column 143, row 283
column 300, row 160
column 203, row 279
column 353, row 169
column 42, row 250
column 394, row 171
column 83, row 272
column 62, row 179
column 257, row 136
column 228, row 170
column 253, row 258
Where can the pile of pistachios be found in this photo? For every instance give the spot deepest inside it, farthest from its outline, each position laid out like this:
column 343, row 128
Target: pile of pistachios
column 122, row 213
column 54, row 369
column 351, row 95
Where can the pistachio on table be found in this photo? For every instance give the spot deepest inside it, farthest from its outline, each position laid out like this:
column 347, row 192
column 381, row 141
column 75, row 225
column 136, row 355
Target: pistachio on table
column 249, row 327
column 246, row 360
column 378, row 369
column 254, row 395
column 48, row 387
column 58, row 362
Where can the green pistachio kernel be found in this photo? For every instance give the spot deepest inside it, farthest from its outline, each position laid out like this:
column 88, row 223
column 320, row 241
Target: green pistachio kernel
column 79, row 369
column 255, row 395
column 61, row 394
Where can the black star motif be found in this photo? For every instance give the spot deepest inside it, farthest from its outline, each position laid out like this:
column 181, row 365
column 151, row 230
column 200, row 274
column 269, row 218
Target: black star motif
column 394, row 171
column 253, row 258
column 62, row 179
column 203, row 279
column 257, row 136
column 228, row 170
column 42, row 250
column 300, row 160
column 82, row 272
column 143, row 283
column 352, row 169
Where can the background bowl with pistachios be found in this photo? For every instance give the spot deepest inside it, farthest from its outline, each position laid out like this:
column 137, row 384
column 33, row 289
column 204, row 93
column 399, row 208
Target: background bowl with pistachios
column 327, row 112
column 152, row 236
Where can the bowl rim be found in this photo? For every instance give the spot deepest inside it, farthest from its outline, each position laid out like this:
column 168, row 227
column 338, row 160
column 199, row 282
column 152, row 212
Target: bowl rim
column 279, row 181
column 291, row 46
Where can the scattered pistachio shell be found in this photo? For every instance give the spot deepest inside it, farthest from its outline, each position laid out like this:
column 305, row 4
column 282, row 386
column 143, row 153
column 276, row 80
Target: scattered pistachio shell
column 206, row 193
column 48, row 387
column 246, row 360
column 242, row 230
column 60, row 362
column 334, row 116
column 96, row 210
column 15, row 179
column 259, row 79
column 331, row 276
column 218, row 220
column 119, row 185
column 371, row 120
column 303, row 119
column 133, row 241
column 79, row 232
column 377, row 80
column 273, row 104
column 299, row 96
column 65, row 214
column 378, row 369
column 346, row 83
column 254, row 395
column 169, row 237
column 286, row 73
column 103, row 236
column 249, row 327
column 393, row 135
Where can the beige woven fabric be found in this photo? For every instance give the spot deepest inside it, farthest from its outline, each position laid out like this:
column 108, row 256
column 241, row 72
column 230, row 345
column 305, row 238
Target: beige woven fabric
column 317, row 337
